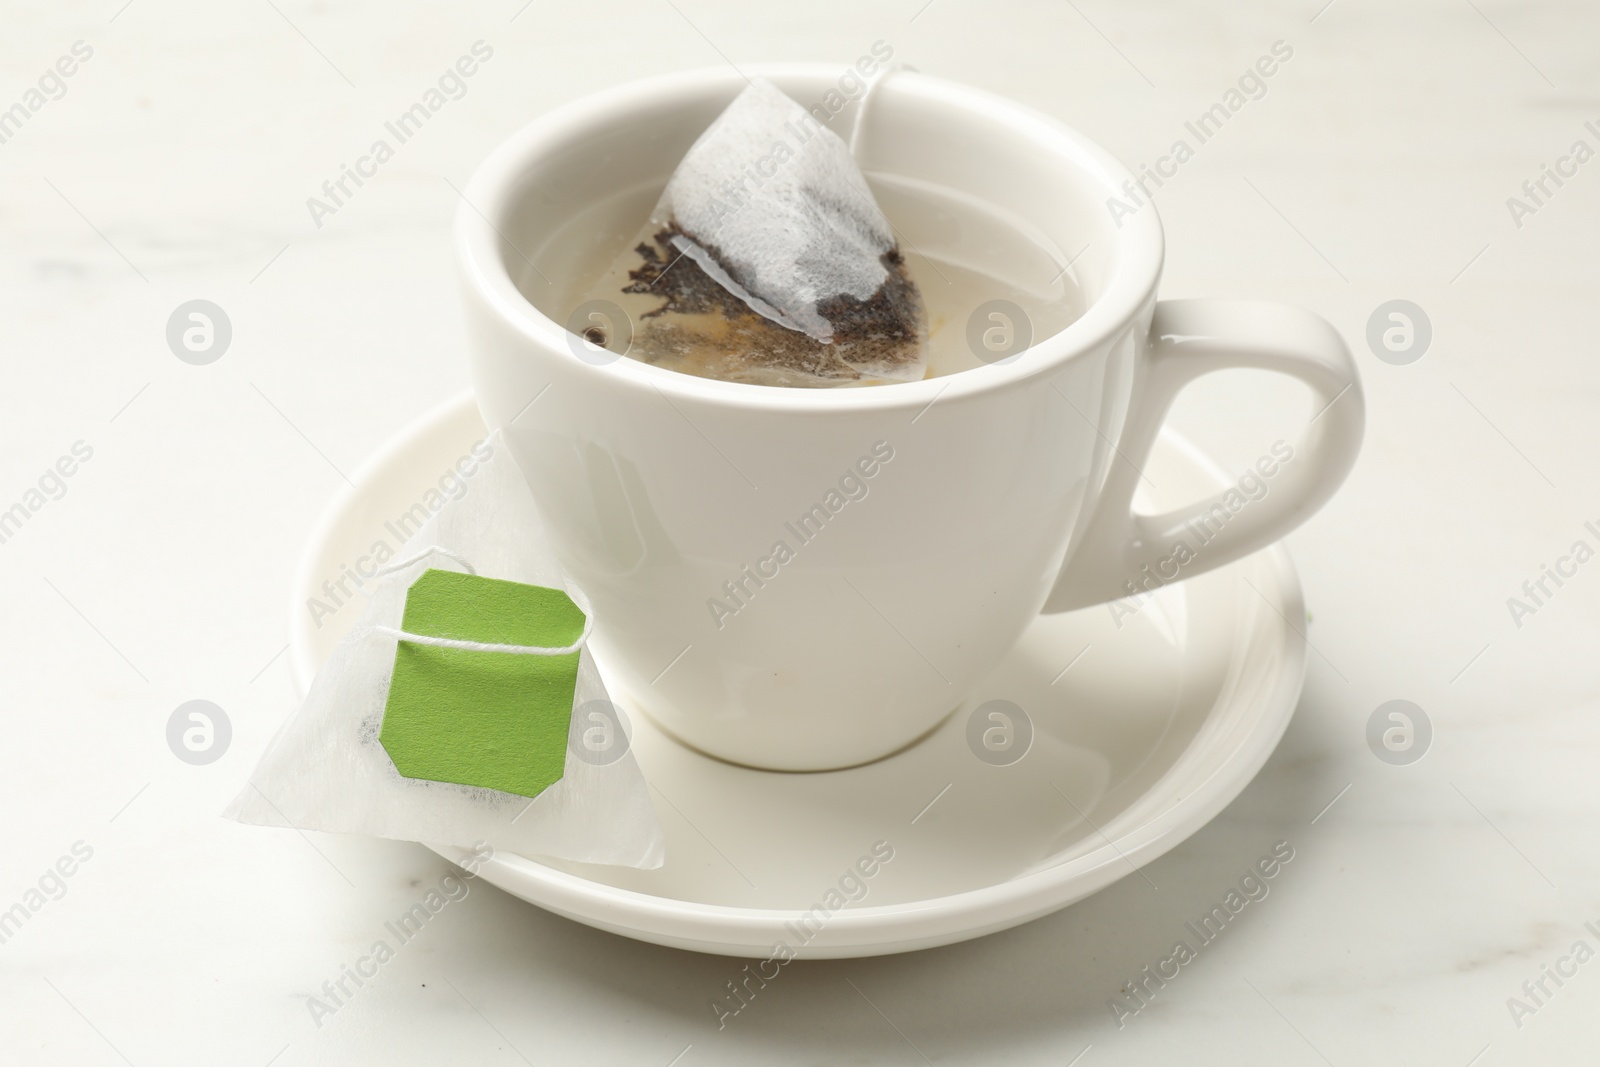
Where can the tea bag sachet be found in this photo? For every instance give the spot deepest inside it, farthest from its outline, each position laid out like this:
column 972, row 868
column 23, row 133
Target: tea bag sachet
column 768, row 261
column 464, row 708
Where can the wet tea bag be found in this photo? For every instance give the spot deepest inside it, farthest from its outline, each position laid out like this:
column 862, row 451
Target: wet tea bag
column 464, row 708
column 768, row 261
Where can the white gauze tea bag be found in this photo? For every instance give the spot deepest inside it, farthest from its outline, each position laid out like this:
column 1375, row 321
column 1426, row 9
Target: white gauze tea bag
column 327, row 769
column 768, row 261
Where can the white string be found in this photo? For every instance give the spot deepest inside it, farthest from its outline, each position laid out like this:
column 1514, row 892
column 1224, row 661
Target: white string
column 418, row 558
column 861, row 110
column 578, row 597
column 483, row 646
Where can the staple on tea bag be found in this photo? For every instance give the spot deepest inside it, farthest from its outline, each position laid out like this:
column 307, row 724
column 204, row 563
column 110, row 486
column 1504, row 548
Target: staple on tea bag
column 327, row 768
column 768, row 261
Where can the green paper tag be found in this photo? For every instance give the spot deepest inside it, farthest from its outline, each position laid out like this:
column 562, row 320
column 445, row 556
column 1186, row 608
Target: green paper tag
column 493, row 719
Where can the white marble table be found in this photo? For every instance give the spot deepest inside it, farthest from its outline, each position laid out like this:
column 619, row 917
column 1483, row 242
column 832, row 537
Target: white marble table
column 176, row 165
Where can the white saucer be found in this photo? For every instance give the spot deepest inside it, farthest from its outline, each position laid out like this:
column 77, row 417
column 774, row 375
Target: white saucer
column 1142, row 734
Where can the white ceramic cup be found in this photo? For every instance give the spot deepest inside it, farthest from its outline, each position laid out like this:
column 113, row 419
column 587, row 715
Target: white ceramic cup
column 944, row 514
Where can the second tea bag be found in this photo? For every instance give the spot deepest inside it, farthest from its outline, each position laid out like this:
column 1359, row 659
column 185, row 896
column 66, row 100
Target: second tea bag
column 768, row 261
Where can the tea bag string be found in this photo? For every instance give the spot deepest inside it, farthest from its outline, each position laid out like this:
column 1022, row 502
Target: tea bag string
column 866, row 98
column 577, row 595
column 431, row 550
column 484, row 646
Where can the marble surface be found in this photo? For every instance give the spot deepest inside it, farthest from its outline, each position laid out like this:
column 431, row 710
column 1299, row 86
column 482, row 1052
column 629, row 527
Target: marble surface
column 1376, row 166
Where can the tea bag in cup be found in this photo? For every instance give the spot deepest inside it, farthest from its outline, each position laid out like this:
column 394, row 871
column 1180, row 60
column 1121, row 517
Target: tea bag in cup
column 768, row 261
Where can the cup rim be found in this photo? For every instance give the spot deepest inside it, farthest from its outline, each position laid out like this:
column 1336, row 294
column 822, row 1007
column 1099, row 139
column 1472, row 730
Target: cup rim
column 1134, row 271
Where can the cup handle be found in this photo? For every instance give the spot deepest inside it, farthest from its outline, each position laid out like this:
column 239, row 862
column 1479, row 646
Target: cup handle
column 1188, row 339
